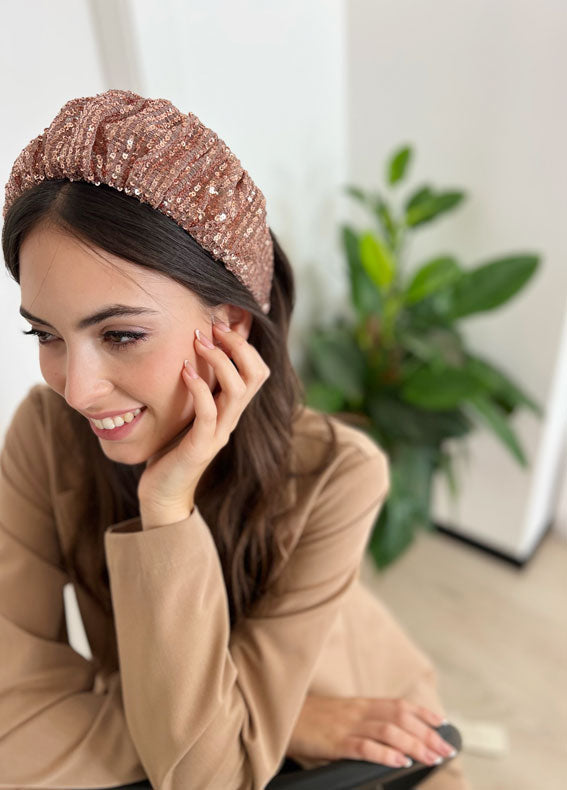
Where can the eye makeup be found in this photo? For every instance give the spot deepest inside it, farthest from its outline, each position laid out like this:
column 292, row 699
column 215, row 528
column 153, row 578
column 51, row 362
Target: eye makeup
column 134, row 337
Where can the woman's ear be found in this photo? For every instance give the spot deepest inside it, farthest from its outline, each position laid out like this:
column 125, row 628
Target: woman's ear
column 238, row 319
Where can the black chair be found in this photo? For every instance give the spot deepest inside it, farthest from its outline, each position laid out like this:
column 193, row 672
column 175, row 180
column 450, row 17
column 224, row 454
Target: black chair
column 348, row 774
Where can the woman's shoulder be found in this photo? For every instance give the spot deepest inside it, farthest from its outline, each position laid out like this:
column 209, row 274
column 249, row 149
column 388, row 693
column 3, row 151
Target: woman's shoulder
column 352, row 455
column 41, row 409
column 40, row 433
column 313, row 426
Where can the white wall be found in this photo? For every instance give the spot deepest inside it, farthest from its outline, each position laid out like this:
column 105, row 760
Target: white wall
column 477, row 88
column 48, row 55
column 269, row 78
column 561, row 523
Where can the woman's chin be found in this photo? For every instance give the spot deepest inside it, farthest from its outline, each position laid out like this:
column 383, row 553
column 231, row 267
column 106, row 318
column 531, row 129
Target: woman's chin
column 123, row 454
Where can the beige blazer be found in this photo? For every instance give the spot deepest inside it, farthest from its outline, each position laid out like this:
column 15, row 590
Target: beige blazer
column 172, row 693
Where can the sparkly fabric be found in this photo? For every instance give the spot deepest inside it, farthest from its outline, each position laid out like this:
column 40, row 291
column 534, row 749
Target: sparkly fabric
column 166, row 158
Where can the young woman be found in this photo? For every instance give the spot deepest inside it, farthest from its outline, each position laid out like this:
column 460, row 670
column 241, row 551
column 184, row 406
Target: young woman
column 213, row 526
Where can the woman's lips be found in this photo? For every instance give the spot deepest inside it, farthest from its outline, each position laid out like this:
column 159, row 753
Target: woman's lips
column 112, row 434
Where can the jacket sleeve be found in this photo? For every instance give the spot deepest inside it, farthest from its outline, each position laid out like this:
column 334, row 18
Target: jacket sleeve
column 211, row 708
column 56, row 731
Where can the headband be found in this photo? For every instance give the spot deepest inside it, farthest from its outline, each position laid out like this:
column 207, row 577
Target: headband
column 163, row 157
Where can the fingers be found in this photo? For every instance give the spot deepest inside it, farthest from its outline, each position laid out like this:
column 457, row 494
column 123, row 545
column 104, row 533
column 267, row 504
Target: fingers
column 407, row 743
column 358, row 748
column 229, row 378
column 204, row 425
column 238, row 384
column 250, row 364
column 251, row 370
column 400, row 724
column 216, row 417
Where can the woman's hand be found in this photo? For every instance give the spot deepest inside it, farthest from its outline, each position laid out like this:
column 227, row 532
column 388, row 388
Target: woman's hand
column 168, row 483
column 385, row 731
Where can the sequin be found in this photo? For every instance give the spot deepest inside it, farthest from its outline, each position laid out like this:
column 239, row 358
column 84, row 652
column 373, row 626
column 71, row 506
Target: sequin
column 165, row 158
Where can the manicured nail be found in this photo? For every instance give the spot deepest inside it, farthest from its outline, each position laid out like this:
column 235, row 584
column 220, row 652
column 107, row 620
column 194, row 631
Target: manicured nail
column 203, row 339
column 222, row 326
column 442, row 746
column 403, row 761
column 190, row 369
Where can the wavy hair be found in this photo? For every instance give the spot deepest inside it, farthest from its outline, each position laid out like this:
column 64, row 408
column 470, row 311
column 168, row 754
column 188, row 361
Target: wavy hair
column 241, row 493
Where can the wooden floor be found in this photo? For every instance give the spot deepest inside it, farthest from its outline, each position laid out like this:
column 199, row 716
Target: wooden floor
column 498, row 636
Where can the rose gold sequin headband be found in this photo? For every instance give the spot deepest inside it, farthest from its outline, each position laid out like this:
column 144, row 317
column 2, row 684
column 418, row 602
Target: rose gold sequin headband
column 151, row 150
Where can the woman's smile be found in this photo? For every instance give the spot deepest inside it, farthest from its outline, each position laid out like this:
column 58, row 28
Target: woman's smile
column 122, row 427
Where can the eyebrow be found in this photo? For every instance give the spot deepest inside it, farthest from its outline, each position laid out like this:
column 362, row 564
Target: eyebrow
column 110, row 311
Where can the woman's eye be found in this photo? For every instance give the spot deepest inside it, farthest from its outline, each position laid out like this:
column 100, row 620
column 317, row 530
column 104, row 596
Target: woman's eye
column 118, row 338
column 41, row 336
column 116, row 341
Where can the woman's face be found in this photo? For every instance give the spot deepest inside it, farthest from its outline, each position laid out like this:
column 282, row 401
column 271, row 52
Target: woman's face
column 63, row 282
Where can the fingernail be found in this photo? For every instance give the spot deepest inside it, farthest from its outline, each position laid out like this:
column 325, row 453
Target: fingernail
column 190, row 369
column 444, row 747
column 204, row 339
column 222, row 326
column 403, row 761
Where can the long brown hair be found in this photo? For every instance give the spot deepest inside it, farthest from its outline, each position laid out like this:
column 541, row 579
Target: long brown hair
column 242, row 490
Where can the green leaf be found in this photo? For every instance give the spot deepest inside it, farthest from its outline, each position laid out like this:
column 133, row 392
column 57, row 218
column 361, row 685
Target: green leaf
column 365, row 295
column 393, row 532
column 408, row 504
column 494, row 418
column 434, row 345
column 398, row 164
column 421, row 195
column 323, row 397
column 491, row 284
column 338, row 361
column 376, row 259
column 386, row 220
column 427, row 209
column 432, row 277
column 500, row 386
column 431, row 312
column 357, row 193
column 447, row 469
column 397, row 421
column 440, row 388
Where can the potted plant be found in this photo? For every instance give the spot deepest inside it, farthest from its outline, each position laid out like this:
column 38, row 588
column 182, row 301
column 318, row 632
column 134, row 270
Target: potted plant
column 398, row 366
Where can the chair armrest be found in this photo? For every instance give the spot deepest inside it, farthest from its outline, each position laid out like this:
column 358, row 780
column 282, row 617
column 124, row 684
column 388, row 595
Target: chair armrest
column 350, row 774
column 362, row 775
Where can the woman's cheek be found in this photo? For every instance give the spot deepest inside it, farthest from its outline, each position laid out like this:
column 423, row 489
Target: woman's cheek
column 53, row 376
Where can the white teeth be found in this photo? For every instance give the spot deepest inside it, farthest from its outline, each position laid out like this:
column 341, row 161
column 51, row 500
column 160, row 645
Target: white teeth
column 115, row 422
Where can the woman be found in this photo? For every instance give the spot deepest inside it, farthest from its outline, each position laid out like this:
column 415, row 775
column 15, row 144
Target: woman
column 213, row 527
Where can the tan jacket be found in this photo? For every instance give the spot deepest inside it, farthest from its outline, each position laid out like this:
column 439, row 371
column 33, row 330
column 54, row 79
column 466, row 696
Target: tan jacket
column 171, row 692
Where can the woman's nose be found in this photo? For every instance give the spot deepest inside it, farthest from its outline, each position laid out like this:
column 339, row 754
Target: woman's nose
column 86, row 385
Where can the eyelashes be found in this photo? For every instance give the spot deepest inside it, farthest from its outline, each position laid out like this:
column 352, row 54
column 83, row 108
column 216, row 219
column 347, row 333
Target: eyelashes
column 135, row 337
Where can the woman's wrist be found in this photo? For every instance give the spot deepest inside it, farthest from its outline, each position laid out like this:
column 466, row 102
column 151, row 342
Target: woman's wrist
column 153, row 516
